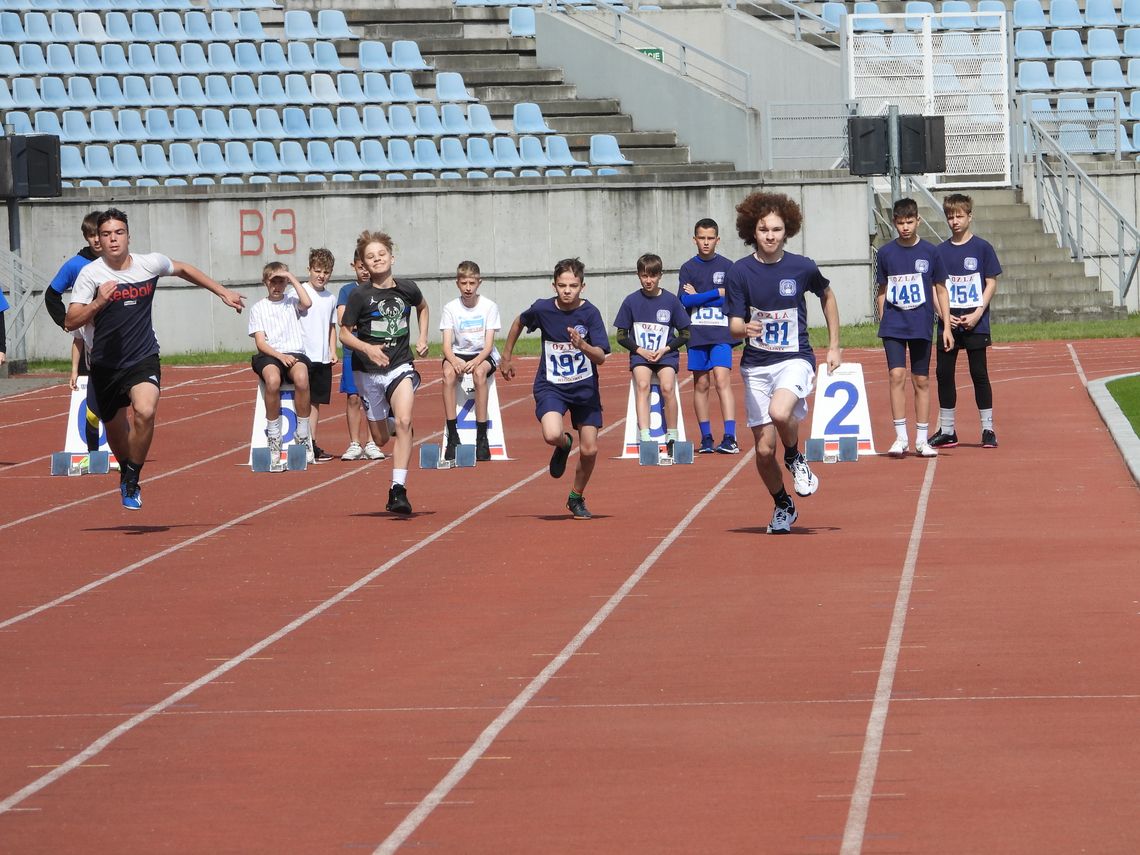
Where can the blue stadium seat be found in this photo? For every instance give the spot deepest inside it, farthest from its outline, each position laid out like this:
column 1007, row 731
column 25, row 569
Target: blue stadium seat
column 21, row 122
column 604, row 151
column 993, row 21
column 80, row 93
column 193, row 59
column 190, row 91
column 401, row 122
column 1134, row 73
column 75, row 127
column 1106, row 74
column 244, row 90
column 373, row 56
column 1111, row 106
column 375, row 122
column 480, row 119
column 187, row 126
column 348, row 87
column 1065, row 13
column 198, row 28
column 53, row 93
column 247, row 59
column 241, row 124
column 1066, row 44
column 452, row 154
column 144, row 27
column 449, row 86
column 341, row 176
column 331, row 24
column 210, row 158
column 531, row 151
column 125, row 158
column 232, row 179
column 221, row 60
column 454, row 120
column 322, row 123
column 1069, row 74
column 139, row 60
column 172, row 29
column 406, row 56
column 313, row 177
column 273, row 58
column 25, row 95
column 158, row 125
column 32, row 61
column 506, row 155
column 216, row 124
column 1033, row 76
column 63, row 28
column 528, row 119
column 1130, row 13
column 268, row 123
column 346, row 156
column 558, row 152
column 1101, row 13
column 324, row 89
column 400, row 155
column 87, row 60
column 265, row 157
column 376, row 89
column 833, row 13
column 296, row 123
column 203, row 180
column 9, row 64
column 1073, row 108
column 71, row 163
column 1030, row 44
column 426, row 155
column 1103, row 44
column 403, row 89
column 427, row 121
column 555, row 173
column 1028, row 14
column 46, row 122
column 348, row 123
column 300, row 58
column 1131, row 42
column 373, row 156
column 299, row 26
column 270, row 90
column 167, row 60
column 6, row 102
column 175, row 182
column 952, row 17
column 98, row 161
column 162, row 90
column 479, row 153
column 104, row 128
column 259, row 179
column 293, row 157
column 521, row 22
column 12, row 28
column 116, row 29
column 871, row 23
column 326, row 57
column 131, row 127
column 320, row 157
column 249, row 25
column 1075, row 139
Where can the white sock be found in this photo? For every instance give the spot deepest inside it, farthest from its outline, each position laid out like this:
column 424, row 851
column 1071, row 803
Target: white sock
column 920, row 431
column 987, row 418
column 399, row 476
column 946, row 420
column 273, row 428
column 302, row 427
column 900, row 430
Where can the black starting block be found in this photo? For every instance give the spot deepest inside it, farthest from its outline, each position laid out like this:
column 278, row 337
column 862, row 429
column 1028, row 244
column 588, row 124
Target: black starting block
column 80, row 463
column 431, row 457
column 816, row 452
column 295, row 461
column 649, row 454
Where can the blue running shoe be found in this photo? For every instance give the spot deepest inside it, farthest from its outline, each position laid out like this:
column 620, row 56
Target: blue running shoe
column 706, row 445
column 132, row 496
column 728, row 446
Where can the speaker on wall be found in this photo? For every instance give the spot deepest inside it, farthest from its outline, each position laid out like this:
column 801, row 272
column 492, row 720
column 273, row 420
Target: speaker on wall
column 29, row 166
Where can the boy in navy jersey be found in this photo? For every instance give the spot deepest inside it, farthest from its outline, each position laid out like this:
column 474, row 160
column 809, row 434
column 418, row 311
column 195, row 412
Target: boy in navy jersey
column 710, row 343
column 645, row 325
column 911, row 291
column 115, row 293
column 766, row 304
column 574, row 344
column 972, row 269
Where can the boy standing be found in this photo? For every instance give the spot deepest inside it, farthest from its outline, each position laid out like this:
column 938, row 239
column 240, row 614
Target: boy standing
column 574, row 344
column 275, row 327
column 911, row 290
column 645, row 325
column 469, row 324
column 710, row 345
column 972, row 269
column 318, row 329
column 353, row 412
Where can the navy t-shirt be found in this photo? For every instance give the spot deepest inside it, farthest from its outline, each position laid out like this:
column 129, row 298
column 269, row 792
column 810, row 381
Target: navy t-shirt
column 564, row 370
column 909, row 274
column 967, row 268
column 774, row 294
column 124, row 331
column 651, row 321
column 382, row 316
column 706, row 307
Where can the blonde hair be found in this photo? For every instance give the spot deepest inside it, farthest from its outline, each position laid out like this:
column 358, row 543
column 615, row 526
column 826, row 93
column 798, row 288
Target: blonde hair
column 272, row 269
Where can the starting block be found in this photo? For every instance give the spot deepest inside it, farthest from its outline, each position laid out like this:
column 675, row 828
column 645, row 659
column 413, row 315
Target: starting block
column 295, row 460
column 649, row 453
column 76, row 463
column 431, row 457
column 845, row 450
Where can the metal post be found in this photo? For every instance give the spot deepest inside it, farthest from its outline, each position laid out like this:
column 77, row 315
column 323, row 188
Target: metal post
column 893, row 151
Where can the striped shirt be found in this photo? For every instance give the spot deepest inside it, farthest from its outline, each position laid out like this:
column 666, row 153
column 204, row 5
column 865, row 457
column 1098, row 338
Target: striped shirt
column 279, row 322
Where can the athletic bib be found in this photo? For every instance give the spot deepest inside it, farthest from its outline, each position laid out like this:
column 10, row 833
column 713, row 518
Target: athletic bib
column 905, row 291
column 565, row 363
column 781, row 331
column 965, row 291
column 650, row 336
column 709, row 316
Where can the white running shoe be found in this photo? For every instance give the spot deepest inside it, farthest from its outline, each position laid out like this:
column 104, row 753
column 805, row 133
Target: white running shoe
column 782, row 519
column 354, row 451
column 925, row 449
column 307, row 441
column 804, row 480
column 899, row 449
column 276, row 464
column 372, row 451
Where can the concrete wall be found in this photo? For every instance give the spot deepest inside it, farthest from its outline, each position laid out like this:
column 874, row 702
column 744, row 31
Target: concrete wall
column 514, row 230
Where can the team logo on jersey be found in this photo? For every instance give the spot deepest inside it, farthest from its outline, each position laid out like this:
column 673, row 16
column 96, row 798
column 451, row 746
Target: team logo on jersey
column 718, row 278
column 970, row 263
column 787, row 287
column 921, row 265
column 582, row 331
column 663, row 316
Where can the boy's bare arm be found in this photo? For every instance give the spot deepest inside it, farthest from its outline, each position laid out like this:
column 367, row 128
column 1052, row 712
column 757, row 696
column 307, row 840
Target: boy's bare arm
column 593, row 352
column 831, row 315
column 304, row 301
column 506, row 369
column 195, row 276
column 422, row 316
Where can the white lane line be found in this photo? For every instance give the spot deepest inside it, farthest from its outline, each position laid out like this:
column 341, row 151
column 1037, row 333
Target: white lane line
column 873, row 740
column 1077, row 365
column 481, row 745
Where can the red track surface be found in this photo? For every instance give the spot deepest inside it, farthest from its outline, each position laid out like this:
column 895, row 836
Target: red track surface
column 730, row 698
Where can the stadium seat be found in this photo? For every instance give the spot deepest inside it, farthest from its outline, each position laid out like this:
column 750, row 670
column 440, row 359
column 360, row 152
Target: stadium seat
column 175, row 182
column 326, row 57
column 347, row 157
column 293, row 157
column 218, row 91
column 300, row 58
column 1106, row 74
column 528, row 119
column 521, row 22
column 427, row 121
column 25, row 95
column 373, row 156
column 135, row 91
column 21, row 122
column 1111, row 106
column 952, row 17
column 158, row 125
column 1066, row 44
column 324, row 89
column 1101, row 13
column 322, row 123
column 1102, row 44
column 871, row 22
column 9, row 64
column 131, row 127
column 555, row 173
column 297, row 90
column 97, row 159
column 1033, row 76
column 452, row 154
column 373, row 56
column 268, row 122
column 249, row 25
column 331, row 24
column 89, row 28
column 531, row 152
column 32, row 61
column 1134, row 73
column 244, row 91
column 454, row 120
column 53, row 94
column 374, row 122
column 400, row 155
column 259, row 179
column 480, row 119
column 993, row 21
column 295, row 121
column 425, row 155
column 125, row 158
column 1075, row 139
column 190, row 91
column 247, row 58
column 273, row 58
column 144, row 28
column 216, row 124
column 87, row 60
column 348, row 123
column 401, row 122
column 220, row 59
column 80, row 93
column 914, row 11
column 1028, row 14
column 203, row 180
column 1030, row 44
column 604, row 151
column 506, row 155
column 1069, row 74
column 558, row 152
column 403, row 89
column 265, row 157
column 187, row 125
column 1065, row 13
column 320, row 157
column 1073, row 109
column 182, row 159
column 172, row 29
column 350, row 92
column 139, row 60
column 449, row 86
column 1130, row 13
column 299, row 26
column 211, row 161
column 406, row 56
column 46, row 122
column 75, row 129
column 12, row 28
column 479, row 153
column 833, row 14
column 241, row 124
column 198, row 28
column 167, row 60
column 71, row 163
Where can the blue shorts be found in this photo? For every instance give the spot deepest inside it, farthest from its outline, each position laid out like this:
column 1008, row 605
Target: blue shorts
column 709, row 356
column 347, row 381
column 581, row 415
column 896, row 349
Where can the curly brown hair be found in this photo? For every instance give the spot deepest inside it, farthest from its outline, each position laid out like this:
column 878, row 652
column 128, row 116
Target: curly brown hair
column 757, row 206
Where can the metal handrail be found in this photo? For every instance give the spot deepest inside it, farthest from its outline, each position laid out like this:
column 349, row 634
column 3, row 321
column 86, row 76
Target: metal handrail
column 681, row 52
column 23, row 280
column 796, row 16
column 1086, row 222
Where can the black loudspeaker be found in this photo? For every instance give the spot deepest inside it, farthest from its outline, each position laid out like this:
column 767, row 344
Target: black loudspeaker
column 867, row 145
column 29, row 166
column 922, row 144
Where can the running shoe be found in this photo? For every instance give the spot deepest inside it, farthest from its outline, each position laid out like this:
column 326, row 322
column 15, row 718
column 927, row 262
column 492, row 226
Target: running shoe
column 989, row 439
column 728, row 446
column 560, row 456
column 804, row 481
column 707, row 446
column 782, row 519
column 576, row 505
column 925, row 449
column 372, row 451
column 944, row 440
column 307, row 442
column 276, row 463
column 449, row 447
column 132, row 496
column 482, row 448
column 320, row 455
column 398, row 500
column 899, row 449
column 355, row 451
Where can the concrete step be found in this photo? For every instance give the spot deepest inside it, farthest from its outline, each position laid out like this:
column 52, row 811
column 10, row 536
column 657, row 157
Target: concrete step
column 498, row 77
column 512, row 93
column 559, row 107
column 580, row 125
column 691, row 172
column 416, row 31
column 1043, row 285
column 1070, row 300
column 1016, row 258
column 638, row 139
column 467, row 62
column 1043, row 270
column 472, row 45
column 675, row 154
column 1035, row 314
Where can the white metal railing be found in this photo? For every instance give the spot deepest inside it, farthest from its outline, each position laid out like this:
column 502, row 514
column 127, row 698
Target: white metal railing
column 795, row 16
column 630, row 31
column 22, row 280
column 806, row 136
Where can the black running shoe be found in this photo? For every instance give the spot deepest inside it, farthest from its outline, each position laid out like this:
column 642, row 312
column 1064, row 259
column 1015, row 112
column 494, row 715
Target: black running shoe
column 320, row 455
column 943, row 440
column 577, row 506
column 989, row 439
column 449, row 447
column 398, row 500
column 482, row 448
column 560, row 456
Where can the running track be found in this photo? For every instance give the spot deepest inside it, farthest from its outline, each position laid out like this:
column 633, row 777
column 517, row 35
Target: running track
column 936, row 661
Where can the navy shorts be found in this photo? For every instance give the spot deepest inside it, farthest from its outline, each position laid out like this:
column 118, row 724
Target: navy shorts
column 347, row 381
column 581, row 415
column 896, row 349
column 109, row 389
column 709, row 356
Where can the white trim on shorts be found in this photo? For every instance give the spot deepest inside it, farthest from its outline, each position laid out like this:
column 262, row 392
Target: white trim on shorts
column 373, row 390
column 760, row 381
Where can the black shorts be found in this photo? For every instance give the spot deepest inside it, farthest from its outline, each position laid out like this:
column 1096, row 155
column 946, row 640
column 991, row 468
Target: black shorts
column 260, row 361
column 109, row 389
column 467, row 357
column 320, row 382
column 970, row 340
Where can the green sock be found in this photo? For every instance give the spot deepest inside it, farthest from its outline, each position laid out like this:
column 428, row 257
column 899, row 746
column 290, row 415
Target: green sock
column 575, row 495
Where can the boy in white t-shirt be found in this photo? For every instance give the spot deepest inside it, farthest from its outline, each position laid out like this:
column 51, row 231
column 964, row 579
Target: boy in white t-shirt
column 275, row 326
column 469, row 324
column 318, row 329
